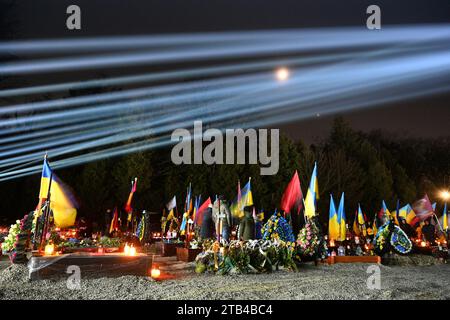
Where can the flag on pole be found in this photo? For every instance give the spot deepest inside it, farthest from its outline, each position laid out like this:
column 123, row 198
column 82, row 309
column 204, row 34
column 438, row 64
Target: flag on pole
column 374, row 226
column 445, row 218
column 128, row 208
column 403, row 212
column 292, row 196
column 170, row 215
column 423, row 210
column 187, row 210
column 384, row 213
column 196, row 206
column 333, row 223
column 45, row 180
column 62, row 201
column 341, row 219
column 396, row 214
column 385, row 209
column 188, row 203
column 234, row 207
column 172, row 203
column 114, row 222
column 359, row 224
column 243, row 199
column 201, row 211
column 410, row 214
column 356, row 230
column 312, row 195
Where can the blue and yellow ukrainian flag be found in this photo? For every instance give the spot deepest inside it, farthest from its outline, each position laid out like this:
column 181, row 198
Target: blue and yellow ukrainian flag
column 341, row 220
column 445, row 218
column 313, row 194
column 62, row 202
column 333, row 224
column 402, row 213
column 385, row 209
column 359, row 224
column 410, row 215
column 243, row 200
column 45, row 180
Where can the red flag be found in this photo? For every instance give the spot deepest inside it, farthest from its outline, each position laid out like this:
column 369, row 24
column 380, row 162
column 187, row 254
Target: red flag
column 201, row 211
column 292, row 196
column 128, row 207
column 423, row 210
column 114, row 222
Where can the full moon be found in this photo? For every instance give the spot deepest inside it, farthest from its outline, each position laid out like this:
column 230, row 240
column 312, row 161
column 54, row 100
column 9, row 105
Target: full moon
column 282, row 74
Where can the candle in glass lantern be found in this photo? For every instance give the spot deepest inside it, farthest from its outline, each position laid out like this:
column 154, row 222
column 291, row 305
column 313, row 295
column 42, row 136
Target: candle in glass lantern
column 126, row 249
column 49, row 249
column 155, row 273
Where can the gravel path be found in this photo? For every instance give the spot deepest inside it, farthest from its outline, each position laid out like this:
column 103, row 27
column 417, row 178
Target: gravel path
column 339, row 281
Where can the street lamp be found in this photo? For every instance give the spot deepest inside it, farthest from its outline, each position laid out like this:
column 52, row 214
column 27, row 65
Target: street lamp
column 282, row 74
column 445, row 195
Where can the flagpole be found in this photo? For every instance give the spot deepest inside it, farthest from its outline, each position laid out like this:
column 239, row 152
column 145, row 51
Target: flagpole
column 47, row 209
column 439, row 224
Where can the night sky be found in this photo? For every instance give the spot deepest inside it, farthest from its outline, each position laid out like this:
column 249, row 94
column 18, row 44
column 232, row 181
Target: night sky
column 428, row 117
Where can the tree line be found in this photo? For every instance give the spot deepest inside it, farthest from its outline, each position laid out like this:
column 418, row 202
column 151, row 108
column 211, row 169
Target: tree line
column 368, row 167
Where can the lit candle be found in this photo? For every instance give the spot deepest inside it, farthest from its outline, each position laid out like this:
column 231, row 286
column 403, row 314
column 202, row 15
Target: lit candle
column 49, row 249
column 126, row 249
column 155, row 273
column 132, row 251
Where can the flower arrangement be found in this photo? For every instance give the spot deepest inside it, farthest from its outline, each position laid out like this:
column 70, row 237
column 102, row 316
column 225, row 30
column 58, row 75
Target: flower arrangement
column 140, row 230
column 381, row 239
column 204, row 262
column 110, row 242
column 390, row 236
column 277, row 228
column 310, row 242
column 10, row 239
column 400, row 241
column 253, row 256
column 18, row 239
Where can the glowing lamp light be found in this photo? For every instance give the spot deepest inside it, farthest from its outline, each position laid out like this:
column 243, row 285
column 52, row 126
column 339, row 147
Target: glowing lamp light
column 49, row 249
column 126, row 249
column 332, row 244
column 282, row 74
column 445, row 195
column 155, row 273
column 132, row 251
column 423, row 244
